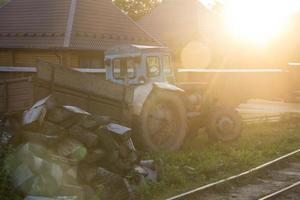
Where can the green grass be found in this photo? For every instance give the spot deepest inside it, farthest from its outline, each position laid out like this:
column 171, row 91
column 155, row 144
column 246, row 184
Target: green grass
column 211, row 162
column 258, row 144
column 7, row 192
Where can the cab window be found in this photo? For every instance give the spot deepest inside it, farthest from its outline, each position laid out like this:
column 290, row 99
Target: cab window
column 153, row 66
column 123, row 66
column 167, row 65
column 131, row 67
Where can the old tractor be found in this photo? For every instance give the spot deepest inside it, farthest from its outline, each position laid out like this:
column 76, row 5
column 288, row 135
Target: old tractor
column 165, row 112
column 140, row 91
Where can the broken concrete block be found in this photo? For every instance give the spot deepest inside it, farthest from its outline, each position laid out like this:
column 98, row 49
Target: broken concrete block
column 68, row 123
column 122, row 131
column 72, row 190
column 88, row 122
column 22, row 177
column 49, row 179
column 106, row 141
column 39, row 138
column 151, row 174
column 87, row 172
column 49, row 128
column 72, row 149
column 43, row 185
column 85, row 136
column 124, row 151
column 58, row 114
column 147, row 169
column 102, row 120
column 140, row 170
column 35, row 164
column 90, row 193
column 130, row 144
column 76, row 110
column 110, row 186
column 70, row 176
column 95, row 156
column 34, row 117
column 32, row 150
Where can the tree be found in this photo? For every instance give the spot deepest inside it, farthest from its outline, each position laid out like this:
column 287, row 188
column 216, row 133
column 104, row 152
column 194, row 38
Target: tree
column 136, row 8
column 217, row 7
column 2, row 2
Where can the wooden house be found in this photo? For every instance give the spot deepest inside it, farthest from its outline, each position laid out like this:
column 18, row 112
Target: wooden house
column 74, row 33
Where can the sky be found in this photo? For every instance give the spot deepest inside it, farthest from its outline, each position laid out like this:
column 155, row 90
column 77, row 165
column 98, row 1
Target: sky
column 257, row 20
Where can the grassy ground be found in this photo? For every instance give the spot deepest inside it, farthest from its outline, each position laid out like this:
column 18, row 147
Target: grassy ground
column 6, row 191
column 201, row 162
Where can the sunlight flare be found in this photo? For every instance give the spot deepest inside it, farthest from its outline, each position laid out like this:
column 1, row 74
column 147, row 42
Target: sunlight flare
column 258, row 21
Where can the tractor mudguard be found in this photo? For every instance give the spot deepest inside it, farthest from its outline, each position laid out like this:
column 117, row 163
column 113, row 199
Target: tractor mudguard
column 142, row 92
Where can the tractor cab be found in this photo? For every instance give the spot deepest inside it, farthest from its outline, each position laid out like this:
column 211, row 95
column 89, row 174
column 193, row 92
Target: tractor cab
column 137, row 64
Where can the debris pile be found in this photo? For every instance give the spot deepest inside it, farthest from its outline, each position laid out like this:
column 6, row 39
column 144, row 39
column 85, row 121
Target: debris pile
column 67, row 153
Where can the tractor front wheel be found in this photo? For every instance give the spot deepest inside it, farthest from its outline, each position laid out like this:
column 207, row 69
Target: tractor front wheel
column 163, row 123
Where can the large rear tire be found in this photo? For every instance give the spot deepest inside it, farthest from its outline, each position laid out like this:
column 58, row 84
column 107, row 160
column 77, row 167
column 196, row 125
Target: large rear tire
column 162, row 123
column 224, row 124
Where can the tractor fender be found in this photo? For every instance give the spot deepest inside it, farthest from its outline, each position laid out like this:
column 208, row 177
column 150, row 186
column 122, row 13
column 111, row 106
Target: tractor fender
column 141, row 93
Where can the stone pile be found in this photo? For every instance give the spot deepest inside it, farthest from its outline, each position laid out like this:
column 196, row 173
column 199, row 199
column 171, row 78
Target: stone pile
column 64, row 152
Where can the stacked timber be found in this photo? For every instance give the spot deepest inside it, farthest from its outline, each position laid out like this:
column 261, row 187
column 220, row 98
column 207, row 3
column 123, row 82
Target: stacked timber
column 257, row 110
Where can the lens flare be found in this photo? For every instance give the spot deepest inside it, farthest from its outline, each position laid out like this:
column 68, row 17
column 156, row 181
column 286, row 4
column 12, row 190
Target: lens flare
column 258, row 20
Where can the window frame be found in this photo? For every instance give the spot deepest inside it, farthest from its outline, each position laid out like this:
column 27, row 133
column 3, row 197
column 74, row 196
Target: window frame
column 122, row 78
column 170, row 65
column 159, row 66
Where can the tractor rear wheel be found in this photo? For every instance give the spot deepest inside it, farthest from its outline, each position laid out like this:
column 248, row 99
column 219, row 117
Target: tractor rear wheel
column 163, row 122
column 224, row 125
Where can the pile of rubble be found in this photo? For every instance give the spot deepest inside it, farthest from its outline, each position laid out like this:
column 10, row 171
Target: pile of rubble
column 64, row 152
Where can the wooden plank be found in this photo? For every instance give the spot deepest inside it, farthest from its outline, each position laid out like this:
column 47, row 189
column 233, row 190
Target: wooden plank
column 93, row 104
column 18, row 69
column 258, row 110
column 40, row 87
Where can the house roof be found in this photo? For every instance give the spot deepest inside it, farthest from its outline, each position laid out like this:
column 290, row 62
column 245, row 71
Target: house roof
column 73, row 24
column 176, row 22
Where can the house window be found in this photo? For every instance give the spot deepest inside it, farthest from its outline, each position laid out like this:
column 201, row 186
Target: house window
column 91, row 62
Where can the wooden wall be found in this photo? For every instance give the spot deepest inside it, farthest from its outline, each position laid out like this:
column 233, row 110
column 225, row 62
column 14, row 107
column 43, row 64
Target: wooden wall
column 28, row 57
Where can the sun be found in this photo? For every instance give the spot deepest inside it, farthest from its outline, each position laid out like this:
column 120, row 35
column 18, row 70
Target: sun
column 258, row 21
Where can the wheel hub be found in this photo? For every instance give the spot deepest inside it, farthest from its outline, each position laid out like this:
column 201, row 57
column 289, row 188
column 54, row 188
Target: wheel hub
column 226, row 124
column 162, row 124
